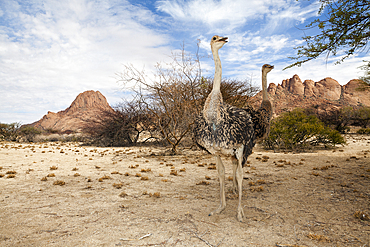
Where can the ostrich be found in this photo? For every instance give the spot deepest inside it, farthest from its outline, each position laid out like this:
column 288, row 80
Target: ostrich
column 260, row 118
column 222, row 129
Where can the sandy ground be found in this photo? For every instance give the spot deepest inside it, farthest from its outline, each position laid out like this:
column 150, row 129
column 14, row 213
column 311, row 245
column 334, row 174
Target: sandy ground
column 136, row 197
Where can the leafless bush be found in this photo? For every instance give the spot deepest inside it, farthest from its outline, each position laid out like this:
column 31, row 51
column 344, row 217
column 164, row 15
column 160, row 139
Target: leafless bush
column 121, row 126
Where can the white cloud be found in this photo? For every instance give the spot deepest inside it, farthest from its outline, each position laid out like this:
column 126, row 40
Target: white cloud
column 51, row 51
column 228, row 15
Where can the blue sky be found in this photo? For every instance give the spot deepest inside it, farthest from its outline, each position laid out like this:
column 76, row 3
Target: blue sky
column 52, row 50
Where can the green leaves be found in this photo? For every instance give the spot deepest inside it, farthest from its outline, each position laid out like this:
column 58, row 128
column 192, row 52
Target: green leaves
column 296, row 130
column 347, row 29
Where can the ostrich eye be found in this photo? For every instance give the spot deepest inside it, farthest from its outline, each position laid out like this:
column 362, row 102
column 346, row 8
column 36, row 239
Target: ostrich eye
column 214, row 38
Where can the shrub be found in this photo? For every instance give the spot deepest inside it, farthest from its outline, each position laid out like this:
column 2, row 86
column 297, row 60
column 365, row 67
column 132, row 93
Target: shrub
column 9, row 132
column 365, row 131
column 29, row 132
column 120, row 127
column 296, row 130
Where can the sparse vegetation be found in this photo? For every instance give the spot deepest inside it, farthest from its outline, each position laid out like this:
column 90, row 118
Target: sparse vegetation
column 364, row 131
column 341, row 119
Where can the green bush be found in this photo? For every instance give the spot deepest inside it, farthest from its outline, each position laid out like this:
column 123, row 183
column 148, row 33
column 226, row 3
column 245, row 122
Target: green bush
column 9, row 132
column 16, row 132
column 29, row 132
column 365, row 131
column 295, row 130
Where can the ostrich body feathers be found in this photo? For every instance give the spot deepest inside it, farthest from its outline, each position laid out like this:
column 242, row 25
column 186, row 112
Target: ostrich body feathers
column 233, row 130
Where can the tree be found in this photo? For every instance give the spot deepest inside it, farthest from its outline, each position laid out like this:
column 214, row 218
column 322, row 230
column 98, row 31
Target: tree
column 366, row 78
column 361, row 116
column 176, row 93
column 122, row 126
column 345, row 28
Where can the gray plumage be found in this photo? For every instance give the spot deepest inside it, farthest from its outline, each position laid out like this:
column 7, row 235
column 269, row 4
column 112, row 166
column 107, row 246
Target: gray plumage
column 236, row 128
column 225, row 130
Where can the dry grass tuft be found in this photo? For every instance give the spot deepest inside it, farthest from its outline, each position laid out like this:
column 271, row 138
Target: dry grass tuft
column 318, row 237
column 53, row 168
column 44, row 179
column 144, row 178
column 212, row 167
column 361, row 215
column 11, row 172
column 207, row 178
column 104, row 178
column 173, row 172
column 59, row 182
column 11, row 176
column 146, row 170
column 183, row 169
column 51, row 175
column 77, row 175
column 2, row 175
column 115, row 172
column 137, row 175
column 127, row 174
column 118, row 186
column 256, row 188
column 75, row 169
column 155, row 194
column 122, row 194
column 203, row 183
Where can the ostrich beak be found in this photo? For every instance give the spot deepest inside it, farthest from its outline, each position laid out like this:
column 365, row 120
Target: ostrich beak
column 224, row 39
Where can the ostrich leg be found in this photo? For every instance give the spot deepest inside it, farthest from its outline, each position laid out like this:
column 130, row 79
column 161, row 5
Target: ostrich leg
column 221, row 174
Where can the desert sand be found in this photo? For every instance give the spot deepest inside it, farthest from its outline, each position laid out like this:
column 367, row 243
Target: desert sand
column 65, row 194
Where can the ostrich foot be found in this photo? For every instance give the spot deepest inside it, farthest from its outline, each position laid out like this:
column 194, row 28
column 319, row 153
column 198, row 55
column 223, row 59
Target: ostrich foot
column 218, row 210
column 240, row 214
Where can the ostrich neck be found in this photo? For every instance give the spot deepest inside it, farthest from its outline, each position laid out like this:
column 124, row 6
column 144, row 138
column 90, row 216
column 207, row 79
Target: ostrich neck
column 218, row 71
column 264, row 86
column 214, row 100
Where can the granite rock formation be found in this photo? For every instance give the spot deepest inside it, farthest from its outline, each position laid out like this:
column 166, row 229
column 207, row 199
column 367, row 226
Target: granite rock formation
column 326, row 94
column 86, row 106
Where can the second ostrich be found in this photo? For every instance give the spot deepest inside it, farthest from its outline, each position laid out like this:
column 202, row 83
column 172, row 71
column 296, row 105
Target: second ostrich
column 222, row 129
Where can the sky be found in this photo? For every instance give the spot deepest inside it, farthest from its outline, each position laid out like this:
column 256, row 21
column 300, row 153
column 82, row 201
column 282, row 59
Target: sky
column 52, row 50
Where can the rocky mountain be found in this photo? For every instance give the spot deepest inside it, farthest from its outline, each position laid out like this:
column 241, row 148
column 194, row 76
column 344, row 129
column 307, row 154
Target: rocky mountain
column 86, row 106
column 324, row 95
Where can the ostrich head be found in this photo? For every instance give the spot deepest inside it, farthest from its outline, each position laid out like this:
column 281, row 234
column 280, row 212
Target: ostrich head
column 267, row 68
column 217, row 42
